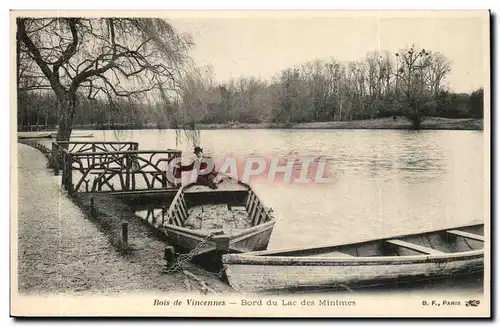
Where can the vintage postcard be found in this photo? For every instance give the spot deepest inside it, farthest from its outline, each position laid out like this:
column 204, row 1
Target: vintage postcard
column 250, row 163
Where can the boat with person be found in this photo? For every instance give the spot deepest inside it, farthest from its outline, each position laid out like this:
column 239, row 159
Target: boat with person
column 440, row 253
column 228, row 219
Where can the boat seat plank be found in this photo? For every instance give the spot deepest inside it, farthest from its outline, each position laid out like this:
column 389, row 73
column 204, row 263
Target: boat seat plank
column 263, row 217
column 181, row 212
column 222, row 187
column 248, row 200
column 414, row 247
column 471, row 236
column 182, row 209
column 176, row 218
column 336, row 254
column 256, row 217
column 254, row 211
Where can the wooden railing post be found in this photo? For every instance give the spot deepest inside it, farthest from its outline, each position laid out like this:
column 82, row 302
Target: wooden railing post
column 92, row 207
column 64, row 171
column 164, row 180
column 128, row 165
column 54, row 159
column 69, row 173
column 163, row 213
column 169, row 256
column 124, row 236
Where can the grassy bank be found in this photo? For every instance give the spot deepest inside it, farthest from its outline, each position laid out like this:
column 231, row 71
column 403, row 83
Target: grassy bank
column 435, row 123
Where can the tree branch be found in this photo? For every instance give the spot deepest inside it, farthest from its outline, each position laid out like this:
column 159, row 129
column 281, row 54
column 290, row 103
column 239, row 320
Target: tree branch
column 98, row 71
column 71, row 49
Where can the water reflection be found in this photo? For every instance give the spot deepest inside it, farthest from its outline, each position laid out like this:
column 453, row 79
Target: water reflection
column 420, row 159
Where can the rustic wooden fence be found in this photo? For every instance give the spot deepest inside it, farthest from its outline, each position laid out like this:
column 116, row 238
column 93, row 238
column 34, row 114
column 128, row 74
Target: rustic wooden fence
column 113, row 167
column 122, row 171
column 42, row 148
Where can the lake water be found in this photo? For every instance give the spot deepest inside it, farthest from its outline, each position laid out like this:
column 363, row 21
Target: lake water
column 386, row 182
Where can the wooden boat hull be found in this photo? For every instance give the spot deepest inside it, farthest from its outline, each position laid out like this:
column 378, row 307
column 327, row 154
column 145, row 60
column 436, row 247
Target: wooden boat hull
column 252, row 239
column 427, row 255
column 252, row 275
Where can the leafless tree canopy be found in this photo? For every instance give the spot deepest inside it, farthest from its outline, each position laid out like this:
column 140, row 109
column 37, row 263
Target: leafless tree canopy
column 419, row 77
column 109, row 56
column 106, row 57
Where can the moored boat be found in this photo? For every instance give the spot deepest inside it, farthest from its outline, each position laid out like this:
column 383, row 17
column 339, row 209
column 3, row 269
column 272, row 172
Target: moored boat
column 229, row 219
column 50, row 135
column 74, row 135
column 441, row 253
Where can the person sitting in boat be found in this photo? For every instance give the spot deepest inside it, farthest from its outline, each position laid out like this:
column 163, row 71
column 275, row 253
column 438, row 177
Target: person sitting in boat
column 199, row 167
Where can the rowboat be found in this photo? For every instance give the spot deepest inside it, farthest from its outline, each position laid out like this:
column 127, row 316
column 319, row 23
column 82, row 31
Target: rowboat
column 32, row 135
column 229, row 219
column 50, row 135
column 441, row 253
column 74, row 135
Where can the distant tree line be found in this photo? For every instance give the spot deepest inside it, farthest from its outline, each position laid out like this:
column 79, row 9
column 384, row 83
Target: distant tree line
column 410, row 83
column 37, row 108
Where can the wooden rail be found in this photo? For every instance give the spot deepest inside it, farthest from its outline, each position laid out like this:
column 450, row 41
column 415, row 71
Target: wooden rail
column 115, row 146
column 86, row 147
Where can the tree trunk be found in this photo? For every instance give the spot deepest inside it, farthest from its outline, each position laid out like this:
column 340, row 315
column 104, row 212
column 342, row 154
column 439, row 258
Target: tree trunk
column 66, row 113
column 416, row 118
column 415, row 123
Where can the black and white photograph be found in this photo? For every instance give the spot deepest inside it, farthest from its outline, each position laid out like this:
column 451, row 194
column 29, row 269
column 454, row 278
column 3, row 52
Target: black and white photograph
column 250, row 163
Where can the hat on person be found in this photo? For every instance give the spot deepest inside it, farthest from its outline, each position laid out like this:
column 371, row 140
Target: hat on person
column 197, row 149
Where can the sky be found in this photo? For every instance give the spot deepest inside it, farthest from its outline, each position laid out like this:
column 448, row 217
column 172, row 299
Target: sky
column 240, row 44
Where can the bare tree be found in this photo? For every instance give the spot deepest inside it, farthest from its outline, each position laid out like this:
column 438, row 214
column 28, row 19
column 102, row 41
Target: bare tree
column 105, row 57
column 386, row 68
column 374, row 81
column 439, row 67
column 413, row 81
column 335, row 77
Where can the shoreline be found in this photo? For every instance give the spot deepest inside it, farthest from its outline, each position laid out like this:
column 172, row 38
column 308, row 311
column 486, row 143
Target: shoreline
column 432, row 123
column 401, row 123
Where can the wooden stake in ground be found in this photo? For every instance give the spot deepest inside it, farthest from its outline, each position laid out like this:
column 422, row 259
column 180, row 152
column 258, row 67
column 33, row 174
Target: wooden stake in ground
column 124, row 236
